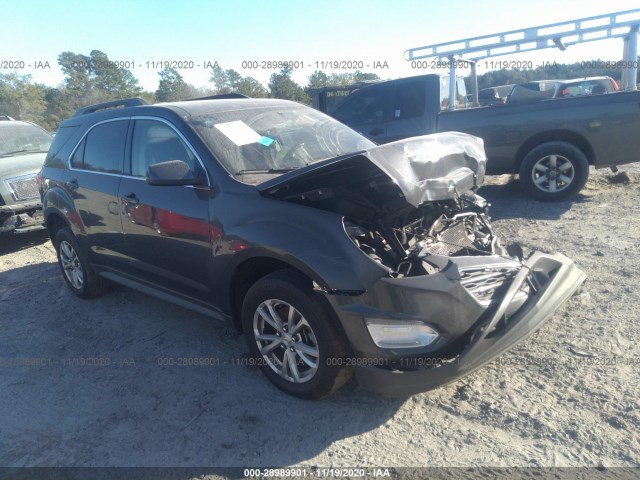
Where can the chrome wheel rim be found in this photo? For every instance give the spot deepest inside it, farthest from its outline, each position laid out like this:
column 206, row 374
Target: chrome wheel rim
column 286, row 341
column 553, row 173
column 71, row 265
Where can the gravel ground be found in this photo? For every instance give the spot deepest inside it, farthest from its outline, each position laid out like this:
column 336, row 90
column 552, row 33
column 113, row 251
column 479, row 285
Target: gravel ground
column 568, row 396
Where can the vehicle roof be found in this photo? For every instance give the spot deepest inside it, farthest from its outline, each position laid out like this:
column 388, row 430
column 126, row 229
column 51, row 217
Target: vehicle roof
column 378, row 83
column 199, row 107
column 183, row 108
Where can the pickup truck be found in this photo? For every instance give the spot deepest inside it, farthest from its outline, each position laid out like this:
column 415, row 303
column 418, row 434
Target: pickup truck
column 549, row 143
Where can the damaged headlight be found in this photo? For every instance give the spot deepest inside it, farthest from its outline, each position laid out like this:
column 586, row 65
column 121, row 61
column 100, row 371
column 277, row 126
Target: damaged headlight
column 400, row 334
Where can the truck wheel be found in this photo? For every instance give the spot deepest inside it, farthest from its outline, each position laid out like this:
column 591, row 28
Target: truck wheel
column 292, row 338
column 554, row 171
column 76, row 271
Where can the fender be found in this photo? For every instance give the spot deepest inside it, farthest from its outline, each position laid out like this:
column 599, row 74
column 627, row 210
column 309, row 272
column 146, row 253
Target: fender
column 55, row 201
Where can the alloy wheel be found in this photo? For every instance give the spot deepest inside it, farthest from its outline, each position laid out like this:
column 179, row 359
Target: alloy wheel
column 286, row 341
column 552, row 173
column 71, row 265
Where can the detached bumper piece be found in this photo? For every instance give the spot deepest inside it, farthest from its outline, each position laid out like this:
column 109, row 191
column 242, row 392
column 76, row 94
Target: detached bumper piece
column 25, row 219
column 551, row 281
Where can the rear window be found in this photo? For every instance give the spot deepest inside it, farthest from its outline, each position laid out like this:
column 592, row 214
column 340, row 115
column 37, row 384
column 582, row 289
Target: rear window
column 588, row 87
column 410, row 100
column 369, row 105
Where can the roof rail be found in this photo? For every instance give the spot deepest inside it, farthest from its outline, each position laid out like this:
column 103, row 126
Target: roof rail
column 128, row 102
column 219, row 97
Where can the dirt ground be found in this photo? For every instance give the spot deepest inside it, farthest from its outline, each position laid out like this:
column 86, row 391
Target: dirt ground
column 86, row 383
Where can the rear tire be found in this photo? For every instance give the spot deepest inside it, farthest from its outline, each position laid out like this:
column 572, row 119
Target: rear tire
column 554, row 171
column 292, row 337
column 76, row 270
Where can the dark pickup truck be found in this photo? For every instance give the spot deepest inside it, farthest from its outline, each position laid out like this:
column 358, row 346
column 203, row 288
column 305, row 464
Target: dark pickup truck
column 549, row 143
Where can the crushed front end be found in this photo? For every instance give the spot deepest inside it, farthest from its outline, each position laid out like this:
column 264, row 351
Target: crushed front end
column 451, row 297
column 414, row 333
column 20, row 206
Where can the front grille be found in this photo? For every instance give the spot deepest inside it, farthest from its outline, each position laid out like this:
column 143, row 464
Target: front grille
column 485, row 283
column 24, row 188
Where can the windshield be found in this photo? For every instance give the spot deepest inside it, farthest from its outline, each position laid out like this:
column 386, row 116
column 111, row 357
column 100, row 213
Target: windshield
column 19, row 138
column 254, row 142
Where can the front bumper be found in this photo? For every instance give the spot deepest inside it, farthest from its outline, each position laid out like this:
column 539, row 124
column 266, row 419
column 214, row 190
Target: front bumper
column 498, row 330
column 22, row 218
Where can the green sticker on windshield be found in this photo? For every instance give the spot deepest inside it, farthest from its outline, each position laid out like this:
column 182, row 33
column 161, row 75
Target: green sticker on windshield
column 266, row 141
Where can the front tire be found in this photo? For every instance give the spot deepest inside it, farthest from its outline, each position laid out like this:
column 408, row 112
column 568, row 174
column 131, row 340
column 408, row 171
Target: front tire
column 554, row 171
column 291, row 336
column 76, row 270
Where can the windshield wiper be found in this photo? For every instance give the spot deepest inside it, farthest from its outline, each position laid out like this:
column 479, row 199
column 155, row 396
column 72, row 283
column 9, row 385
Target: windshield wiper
column 266, row 170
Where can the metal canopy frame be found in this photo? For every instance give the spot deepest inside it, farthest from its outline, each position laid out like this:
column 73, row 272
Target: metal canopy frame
column 623, row 24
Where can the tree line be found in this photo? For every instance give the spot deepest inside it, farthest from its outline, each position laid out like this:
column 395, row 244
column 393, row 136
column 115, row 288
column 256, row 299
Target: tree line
column 90, row 79
column 93, row 78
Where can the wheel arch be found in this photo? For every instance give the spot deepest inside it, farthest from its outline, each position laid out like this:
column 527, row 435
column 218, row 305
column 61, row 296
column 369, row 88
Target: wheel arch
column 56, row 204
column 251, row 270
column 247, row 273
column 55, row 221
column 565, row 136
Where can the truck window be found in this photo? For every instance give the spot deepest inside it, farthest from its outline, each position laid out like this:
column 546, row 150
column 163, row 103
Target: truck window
column 461, row 92
column 369, row 105
column 410, row 100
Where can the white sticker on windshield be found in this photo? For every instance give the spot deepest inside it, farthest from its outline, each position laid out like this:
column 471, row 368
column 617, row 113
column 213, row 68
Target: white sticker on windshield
column 239, row 132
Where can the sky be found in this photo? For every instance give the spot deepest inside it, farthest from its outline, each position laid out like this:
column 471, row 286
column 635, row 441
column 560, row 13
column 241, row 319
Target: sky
column 241, row 34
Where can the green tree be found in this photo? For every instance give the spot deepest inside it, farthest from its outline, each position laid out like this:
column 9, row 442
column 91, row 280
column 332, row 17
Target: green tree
column 319, row 79
column 251, row 87
column 76, row 69
column 173, row 88
column 107, row 77
column 22, row 99
column 219, row 80
column 230, row 81
column 282, row 86
column 57, row 107
column 88, row 80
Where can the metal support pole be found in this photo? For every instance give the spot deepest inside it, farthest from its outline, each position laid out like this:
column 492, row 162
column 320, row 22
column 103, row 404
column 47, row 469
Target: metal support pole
column 624, row 78
column 632, row 71
column 452, row 83
column 474, row 85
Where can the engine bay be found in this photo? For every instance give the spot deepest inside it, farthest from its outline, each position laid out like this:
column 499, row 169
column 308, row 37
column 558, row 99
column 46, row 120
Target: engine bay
column 404, row 241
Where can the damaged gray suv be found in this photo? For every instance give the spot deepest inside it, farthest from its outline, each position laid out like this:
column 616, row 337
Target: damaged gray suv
column 332, row 255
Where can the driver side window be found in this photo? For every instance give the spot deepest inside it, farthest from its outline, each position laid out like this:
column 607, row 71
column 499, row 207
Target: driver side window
column 155, row 142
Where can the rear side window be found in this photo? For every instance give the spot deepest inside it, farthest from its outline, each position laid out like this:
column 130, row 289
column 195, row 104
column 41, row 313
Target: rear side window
column 102, row 150
column 155, row 142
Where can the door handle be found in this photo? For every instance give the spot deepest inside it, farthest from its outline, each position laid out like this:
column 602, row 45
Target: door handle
column 376, row 131
column 130, row 199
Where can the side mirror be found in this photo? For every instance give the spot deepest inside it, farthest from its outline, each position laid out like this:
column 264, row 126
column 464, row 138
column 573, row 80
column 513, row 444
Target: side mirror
column 172, row 173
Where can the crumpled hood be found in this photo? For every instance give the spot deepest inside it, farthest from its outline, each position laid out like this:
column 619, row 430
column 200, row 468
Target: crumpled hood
column 426, row 168
column 21, row 165
column 433, row 167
